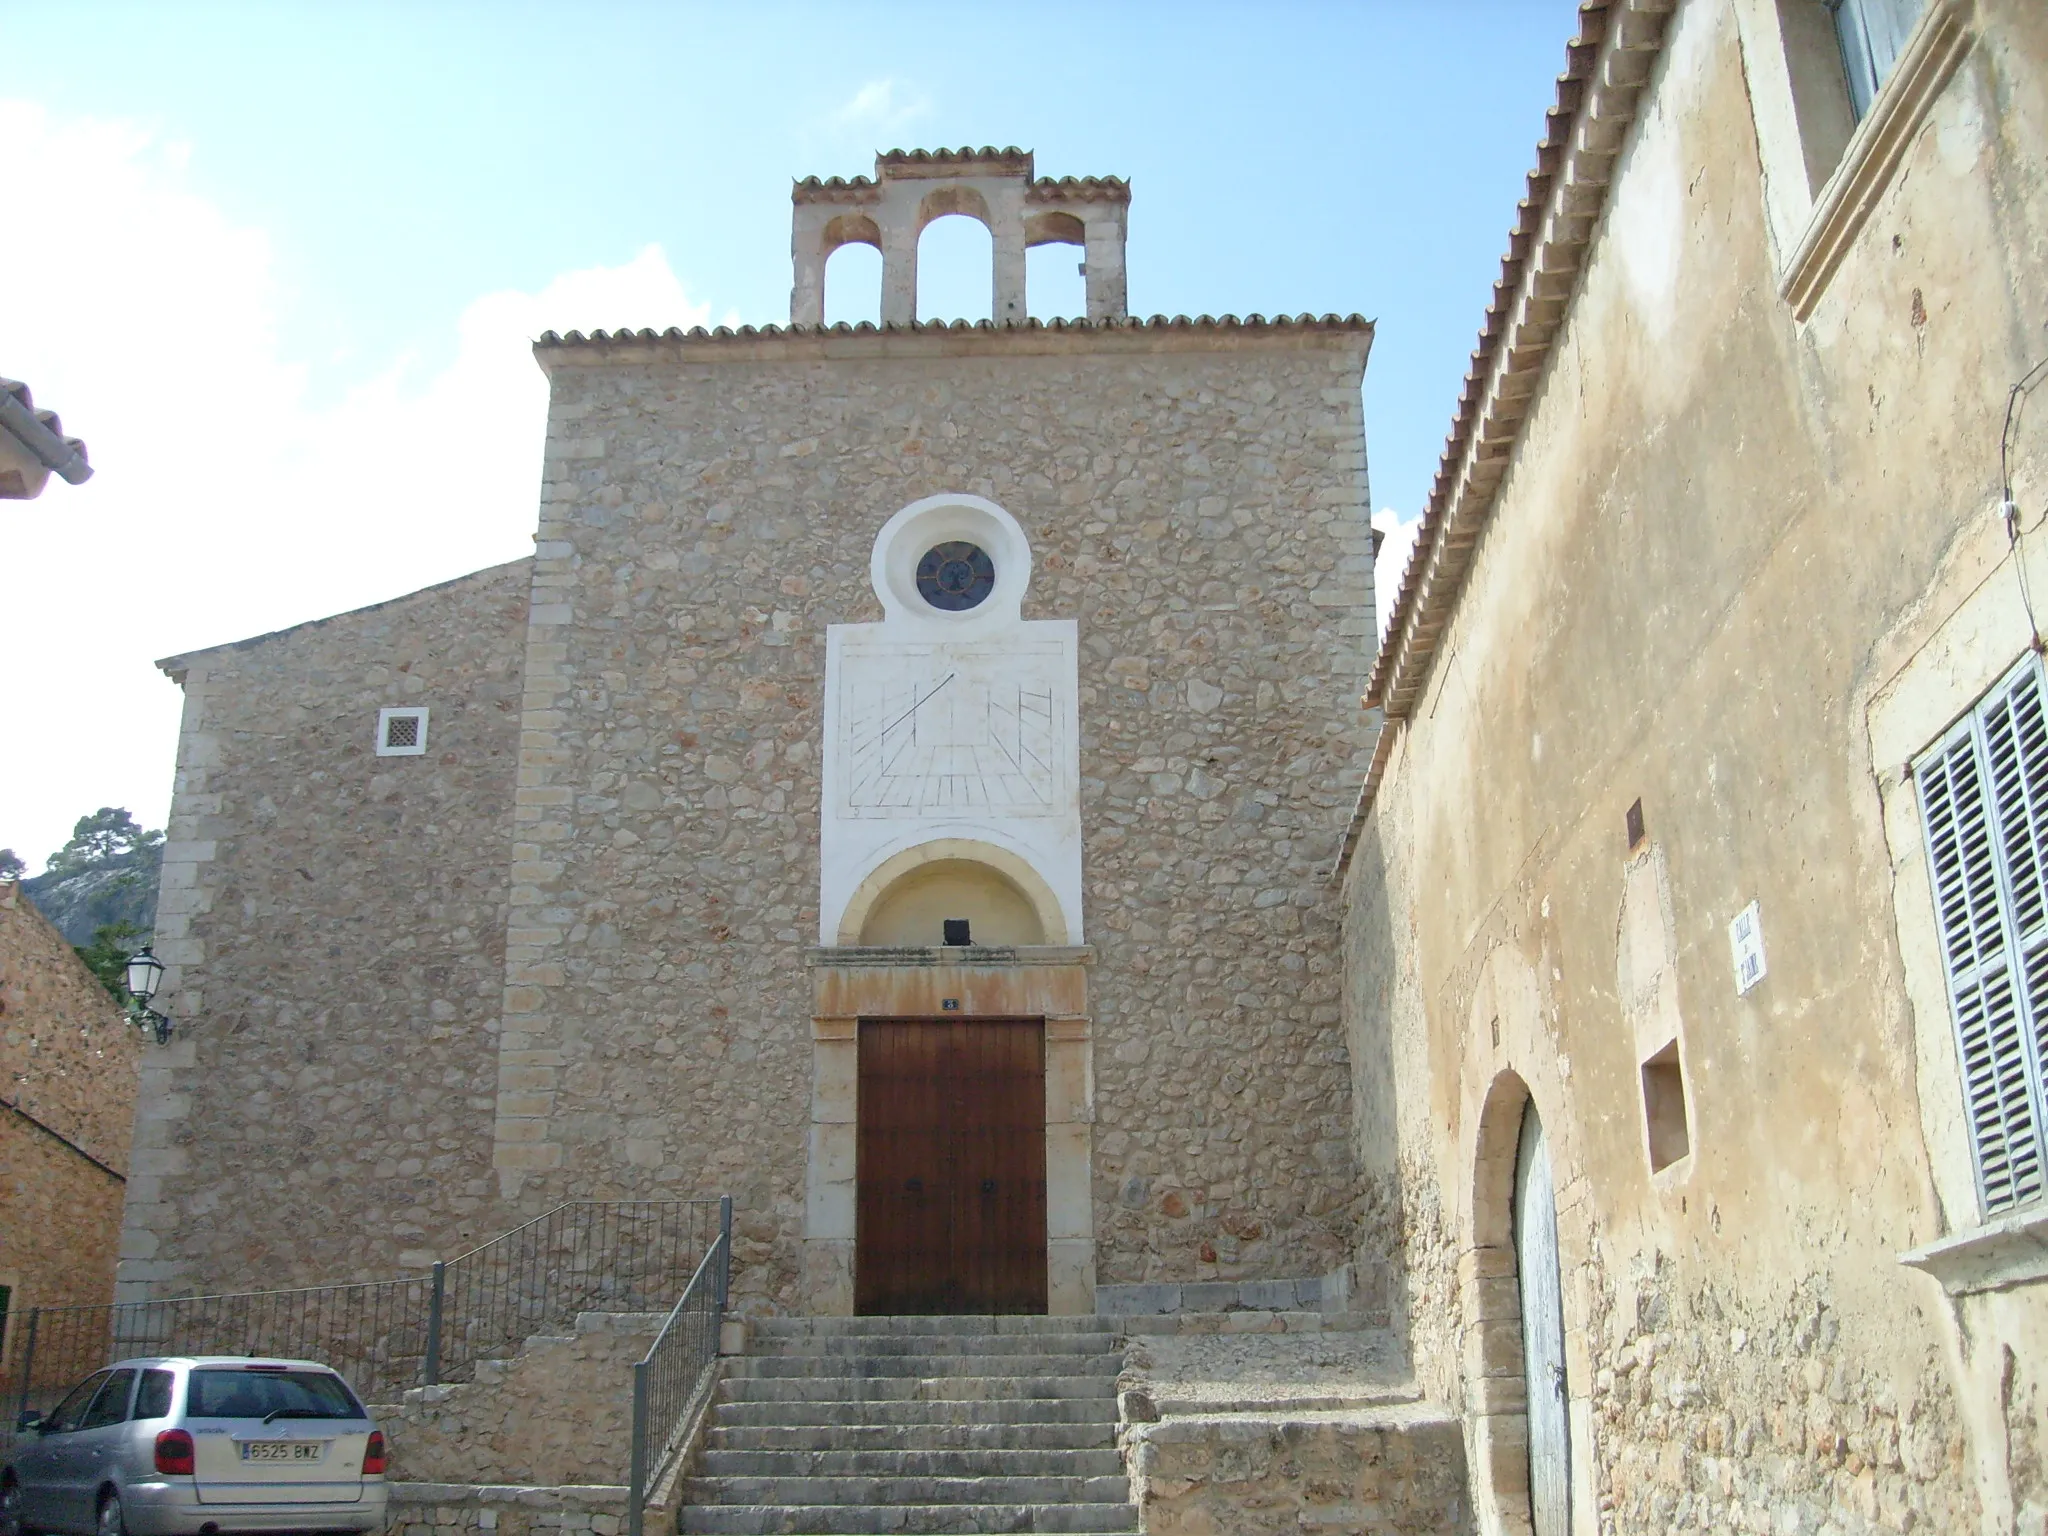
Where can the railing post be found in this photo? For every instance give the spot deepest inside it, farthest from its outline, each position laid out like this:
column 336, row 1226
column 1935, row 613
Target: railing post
column 725, row 1258
column 28, row 1362
column 636, row 1496
column 431, row 1367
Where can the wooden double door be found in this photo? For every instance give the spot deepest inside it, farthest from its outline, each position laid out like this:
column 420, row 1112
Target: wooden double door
column 951, row 1167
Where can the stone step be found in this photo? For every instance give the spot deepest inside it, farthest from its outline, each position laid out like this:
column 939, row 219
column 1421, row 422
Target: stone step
column 882, row 1367
column 906, row 1490
column 795, row 1411
column 902, row 1462
column 921, row 1435
column 900, row 1389
column 871, row 1346
column 909, row 1520
column 898, row 1327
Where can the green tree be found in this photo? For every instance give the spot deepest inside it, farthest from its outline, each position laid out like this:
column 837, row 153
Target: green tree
column 107, row 873
column 107, row 956
column 11, row 867
column 108, row 836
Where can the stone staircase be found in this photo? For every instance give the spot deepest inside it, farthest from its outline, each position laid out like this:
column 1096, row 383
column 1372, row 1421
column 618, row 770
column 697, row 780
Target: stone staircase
column 838, row 1426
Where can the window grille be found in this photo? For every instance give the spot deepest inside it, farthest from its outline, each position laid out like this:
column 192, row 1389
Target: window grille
column 1984, row 800
column 401, row 732
column 1871, row 33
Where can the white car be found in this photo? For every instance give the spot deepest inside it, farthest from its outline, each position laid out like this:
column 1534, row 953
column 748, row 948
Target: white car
column 195, row 1446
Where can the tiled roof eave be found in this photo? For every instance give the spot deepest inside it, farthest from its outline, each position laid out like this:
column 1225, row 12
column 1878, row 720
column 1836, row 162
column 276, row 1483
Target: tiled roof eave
column 717, row 338
column 1608, row 67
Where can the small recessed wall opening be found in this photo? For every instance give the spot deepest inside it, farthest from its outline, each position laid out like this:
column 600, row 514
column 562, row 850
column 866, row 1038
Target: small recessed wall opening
column 402, row 732
column 1664, row 1109
column 1635, row 826
column 914, row 912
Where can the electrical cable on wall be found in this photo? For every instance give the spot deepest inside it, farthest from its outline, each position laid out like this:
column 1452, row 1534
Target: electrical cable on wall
column 2015, row 408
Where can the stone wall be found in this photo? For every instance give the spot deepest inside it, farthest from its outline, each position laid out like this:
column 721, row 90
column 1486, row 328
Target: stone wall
column 1196, row 501
column 1721, row 532
column 67, row 1101
column 1396, row 1471
column 439, row 1509
column 560, row 1412
column 333, row 926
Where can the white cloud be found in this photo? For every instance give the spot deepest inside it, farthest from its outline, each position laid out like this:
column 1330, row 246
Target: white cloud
column 224, row 504
column 881, row 109
column 1393, row 559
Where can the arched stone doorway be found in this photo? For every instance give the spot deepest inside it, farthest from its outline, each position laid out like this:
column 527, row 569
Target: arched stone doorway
column 1539, row 1288
column 1518, row 1390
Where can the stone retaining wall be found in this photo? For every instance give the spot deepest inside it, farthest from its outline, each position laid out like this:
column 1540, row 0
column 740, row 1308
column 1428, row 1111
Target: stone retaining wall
column 455, row 1509
column 562, row 1412
column 1397, row 1471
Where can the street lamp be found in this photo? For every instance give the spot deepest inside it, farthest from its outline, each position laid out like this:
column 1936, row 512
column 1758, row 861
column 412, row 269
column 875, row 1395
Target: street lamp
column 145, row 973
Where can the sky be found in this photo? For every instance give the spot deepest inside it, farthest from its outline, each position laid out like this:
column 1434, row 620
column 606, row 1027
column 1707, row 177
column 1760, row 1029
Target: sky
column 280, row 265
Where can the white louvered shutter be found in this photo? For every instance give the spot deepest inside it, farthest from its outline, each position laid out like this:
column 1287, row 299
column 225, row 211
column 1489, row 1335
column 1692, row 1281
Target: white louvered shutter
column 1984, row 798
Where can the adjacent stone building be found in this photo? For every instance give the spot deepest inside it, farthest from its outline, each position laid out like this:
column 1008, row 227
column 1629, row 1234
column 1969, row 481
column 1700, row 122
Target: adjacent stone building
column 67, row 1110
column 1698, row 853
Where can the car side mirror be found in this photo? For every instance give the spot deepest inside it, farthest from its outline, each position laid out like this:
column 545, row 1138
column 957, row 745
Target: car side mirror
column 28, row 1421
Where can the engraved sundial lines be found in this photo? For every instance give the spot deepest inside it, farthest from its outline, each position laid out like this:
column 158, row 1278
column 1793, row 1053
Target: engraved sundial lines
column 925, row 742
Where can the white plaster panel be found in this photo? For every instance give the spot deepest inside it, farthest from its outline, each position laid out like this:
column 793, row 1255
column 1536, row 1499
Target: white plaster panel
column 959, row 726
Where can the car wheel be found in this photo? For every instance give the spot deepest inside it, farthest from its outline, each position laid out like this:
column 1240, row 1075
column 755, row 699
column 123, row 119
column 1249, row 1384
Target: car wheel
column 10, row 1511
column 111, row 1523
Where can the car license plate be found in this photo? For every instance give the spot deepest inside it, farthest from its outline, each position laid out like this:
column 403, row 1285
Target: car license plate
column 280, row 1450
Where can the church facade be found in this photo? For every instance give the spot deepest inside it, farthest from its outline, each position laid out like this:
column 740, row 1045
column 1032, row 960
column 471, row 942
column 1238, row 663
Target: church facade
column 930, row 695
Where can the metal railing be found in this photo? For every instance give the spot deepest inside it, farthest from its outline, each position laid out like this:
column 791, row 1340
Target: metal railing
column 388, row 1335
column 374, row 1334
column 668, row 1380
column 584, row 1256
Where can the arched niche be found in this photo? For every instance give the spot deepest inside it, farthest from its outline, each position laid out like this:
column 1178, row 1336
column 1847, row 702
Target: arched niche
column 914, row 910
column 905, row 899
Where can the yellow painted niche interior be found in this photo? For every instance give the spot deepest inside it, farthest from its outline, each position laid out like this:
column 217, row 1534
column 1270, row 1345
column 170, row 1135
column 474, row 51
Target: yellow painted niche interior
column 914, row 909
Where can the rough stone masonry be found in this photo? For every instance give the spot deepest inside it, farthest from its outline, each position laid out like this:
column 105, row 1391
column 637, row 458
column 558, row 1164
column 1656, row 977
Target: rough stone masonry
column 1194, row 495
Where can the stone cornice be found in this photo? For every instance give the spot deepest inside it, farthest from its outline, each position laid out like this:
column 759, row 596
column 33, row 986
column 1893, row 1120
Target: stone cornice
column 1608, row 66
column 771, row 343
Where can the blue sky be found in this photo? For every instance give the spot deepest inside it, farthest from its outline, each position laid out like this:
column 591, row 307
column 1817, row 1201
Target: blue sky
column 288, row 256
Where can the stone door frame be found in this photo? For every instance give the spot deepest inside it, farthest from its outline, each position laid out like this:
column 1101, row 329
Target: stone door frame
column 1039, row 981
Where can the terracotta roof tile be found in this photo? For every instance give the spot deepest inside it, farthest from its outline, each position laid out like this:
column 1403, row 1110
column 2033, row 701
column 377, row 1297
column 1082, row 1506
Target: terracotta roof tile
column 1538, row 273
column 1607, row 68
column 1220, row 323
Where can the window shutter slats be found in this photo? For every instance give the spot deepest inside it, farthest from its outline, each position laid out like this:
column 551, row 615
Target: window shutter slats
column 1984, row 801
column 2013, row 737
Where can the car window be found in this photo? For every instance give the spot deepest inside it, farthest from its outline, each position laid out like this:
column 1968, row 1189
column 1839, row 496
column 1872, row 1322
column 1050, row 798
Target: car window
column 247, row 1394
column 110, row 1404
column 66, row 1414
column 153, row 1400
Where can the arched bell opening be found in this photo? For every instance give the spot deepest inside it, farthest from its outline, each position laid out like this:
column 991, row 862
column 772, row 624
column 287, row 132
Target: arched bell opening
column 1054, row 259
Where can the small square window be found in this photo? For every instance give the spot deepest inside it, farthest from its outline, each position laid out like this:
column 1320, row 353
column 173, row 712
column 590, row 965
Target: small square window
column 401, row 732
